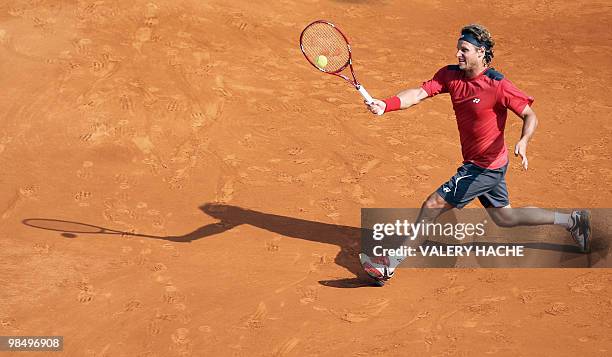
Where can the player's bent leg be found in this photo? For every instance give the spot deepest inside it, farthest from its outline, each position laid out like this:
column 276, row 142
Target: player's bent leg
column 382, row 268
column 435, row 201
column 579, row 223
column 511, row 217
column 433, row 206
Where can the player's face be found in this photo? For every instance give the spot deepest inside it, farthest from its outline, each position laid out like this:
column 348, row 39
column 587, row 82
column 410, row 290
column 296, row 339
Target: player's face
column 468, row 55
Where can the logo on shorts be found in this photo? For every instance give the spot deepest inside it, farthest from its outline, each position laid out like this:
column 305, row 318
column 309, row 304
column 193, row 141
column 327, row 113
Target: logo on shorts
column 476, row 100
column 446, row 189
column 457, row 179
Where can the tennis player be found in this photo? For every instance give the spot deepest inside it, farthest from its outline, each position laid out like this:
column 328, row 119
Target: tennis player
column 481, row 98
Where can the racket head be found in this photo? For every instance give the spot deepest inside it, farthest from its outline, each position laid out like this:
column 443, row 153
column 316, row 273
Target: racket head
column 322, row 37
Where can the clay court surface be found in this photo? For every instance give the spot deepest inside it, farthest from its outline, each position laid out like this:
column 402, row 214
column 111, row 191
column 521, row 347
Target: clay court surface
column 236, row 173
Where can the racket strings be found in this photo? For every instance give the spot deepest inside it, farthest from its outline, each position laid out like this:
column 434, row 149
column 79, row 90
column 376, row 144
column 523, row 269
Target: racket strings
column 322, row 39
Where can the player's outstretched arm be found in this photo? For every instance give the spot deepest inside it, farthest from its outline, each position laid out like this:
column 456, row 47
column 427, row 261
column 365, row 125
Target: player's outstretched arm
column 410, row 97
column 405, row 99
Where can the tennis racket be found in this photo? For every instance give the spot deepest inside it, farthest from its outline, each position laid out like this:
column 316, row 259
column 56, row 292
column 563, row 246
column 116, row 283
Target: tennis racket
column 328, row 50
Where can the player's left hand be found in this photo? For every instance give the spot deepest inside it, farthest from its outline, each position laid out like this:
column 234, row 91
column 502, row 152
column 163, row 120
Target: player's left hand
column 521, row 149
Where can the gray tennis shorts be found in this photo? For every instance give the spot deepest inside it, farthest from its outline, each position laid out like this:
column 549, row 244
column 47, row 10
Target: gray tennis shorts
column 472, row 181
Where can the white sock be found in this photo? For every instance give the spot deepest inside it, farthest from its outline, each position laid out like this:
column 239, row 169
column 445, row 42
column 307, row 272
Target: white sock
column 563, row 219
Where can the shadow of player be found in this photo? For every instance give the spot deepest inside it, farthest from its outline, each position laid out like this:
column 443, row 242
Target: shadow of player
column 347, row 238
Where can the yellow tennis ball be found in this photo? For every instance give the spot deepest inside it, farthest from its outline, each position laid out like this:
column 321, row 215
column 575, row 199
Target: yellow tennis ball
column 321, row 61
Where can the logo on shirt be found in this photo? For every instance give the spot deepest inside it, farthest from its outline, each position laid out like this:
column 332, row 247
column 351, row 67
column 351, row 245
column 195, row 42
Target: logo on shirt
column 476, row 100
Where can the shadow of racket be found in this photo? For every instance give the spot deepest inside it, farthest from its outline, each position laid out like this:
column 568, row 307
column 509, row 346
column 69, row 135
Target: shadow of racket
column 70, row 229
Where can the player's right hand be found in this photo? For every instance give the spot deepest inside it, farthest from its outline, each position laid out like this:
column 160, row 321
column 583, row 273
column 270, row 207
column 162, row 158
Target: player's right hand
column 376, row 107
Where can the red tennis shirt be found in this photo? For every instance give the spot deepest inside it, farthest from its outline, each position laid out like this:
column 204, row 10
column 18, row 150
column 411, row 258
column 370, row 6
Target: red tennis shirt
column 481, row 106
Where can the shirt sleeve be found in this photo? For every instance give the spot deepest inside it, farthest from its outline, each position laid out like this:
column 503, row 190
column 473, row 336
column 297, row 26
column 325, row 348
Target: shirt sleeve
column 513, row 98
column 437, row 84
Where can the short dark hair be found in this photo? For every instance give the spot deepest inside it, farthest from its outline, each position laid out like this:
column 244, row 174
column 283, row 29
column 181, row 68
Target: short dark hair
column 483, row 36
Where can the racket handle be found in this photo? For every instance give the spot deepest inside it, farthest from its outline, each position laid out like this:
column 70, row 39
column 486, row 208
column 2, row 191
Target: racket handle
column 364, row 93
